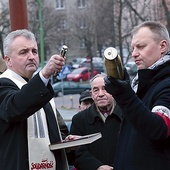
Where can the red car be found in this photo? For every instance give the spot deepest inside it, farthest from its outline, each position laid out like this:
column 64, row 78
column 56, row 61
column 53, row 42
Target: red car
column 81, row 74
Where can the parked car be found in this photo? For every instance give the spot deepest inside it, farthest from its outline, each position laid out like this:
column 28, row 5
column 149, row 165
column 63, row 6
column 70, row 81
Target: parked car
column 97, row 64
column 68, row 87
column 131, row 68
column 99, row 67
column 76, row 62
column 81, row 74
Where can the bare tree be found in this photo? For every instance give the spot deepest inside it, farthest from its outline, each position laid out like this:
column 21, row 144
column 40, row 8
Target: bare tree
column 4, row 24
column 166, row 7
column 51, row 24
column 99, row 25
column 132, row 13
column 85, row 31
column 105, row 24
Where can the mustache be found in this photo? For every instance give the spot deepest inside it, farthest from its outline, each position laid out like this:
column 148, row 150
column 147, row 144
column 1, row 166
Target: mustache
column 101, row 99
column 32, row 62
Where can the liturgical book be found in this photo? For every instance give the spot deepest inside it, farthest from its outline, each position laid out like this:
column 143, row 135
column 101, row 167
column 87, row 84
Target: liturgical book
column 87, row 139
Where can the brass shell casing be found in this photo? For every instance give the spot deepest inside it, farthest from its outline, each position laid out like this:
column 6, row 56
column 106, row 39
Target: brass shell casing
column 113, row 63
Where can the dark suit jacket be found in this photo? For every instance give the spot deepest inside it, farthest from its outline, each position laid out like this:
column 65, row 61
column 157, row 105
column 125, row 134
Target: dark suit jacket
column 16, row 105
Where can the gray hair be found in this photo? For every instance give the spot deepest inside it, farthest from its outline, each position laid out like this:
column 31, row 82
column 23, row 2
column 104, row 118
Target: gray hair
column 97, row 75
column 12, row 35
column 159, row 30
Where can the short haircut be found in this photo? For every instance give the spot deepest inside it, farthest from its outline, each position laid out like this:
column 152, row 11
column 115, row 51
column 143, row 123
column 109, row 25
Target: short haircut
column 159, row 30
column 12, row 35
column 97, row 75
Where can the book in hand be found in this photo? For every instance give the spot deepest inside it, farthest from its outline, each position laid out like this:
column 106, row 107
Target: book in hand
column 87, row 139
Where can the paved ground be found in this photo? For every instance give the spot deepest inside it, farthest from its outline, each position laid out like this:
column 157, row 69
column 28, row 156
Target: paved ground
column 67, row 106
column 67, row 101
column 67, row 114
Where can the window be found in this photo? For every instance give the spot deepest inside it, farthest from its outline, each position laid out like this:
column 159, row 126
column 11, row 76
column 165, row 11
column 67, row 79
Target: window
column 82, row 23
column 73, row 85
column 38, row 15
column 81, row 3
column 62, row 24
column 82, row 43
column 59, row 4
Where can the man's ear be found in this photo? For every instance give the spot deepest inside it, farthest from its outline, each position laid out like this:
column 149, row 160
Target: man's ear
column 8, row 61
column 91, row 94
column 163, row 46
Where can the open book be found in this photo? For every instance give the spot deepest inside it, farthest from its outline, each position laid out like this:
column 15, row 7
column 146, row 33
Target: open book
column 87, row 139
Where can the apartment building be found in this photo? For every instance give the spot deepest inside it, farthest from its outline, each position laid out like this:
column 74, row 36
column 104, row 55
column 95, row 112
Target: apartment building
column 72, row 26
column 87, row 26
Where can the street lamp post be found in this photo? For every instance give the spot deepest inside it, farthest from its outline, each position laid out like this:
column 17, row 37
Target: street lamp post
column 41, row 32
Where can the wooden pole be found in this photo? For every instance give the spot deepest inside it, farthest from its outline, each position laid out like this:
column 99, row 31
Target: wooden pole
column 18, row 14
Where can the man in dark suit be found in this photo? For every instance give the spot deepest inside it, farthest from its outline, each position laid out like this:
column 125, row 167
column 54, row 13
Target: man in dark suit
column 28, row 120
column 102, row 116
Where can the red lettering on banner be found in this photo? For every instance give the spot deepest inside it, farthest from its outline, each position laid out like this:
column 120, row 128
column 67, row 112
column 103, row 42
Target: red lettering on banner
column 44, row 164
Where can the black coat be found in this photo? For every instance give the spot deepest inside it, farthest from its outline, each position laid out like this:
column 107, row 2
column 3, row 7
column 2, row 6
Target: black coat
column 102, row 151
column 144, row 141
column 16, row 105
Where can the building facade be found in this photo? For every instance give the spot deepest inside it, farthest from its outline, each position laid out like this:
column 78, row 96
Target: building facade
column 87, row 27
